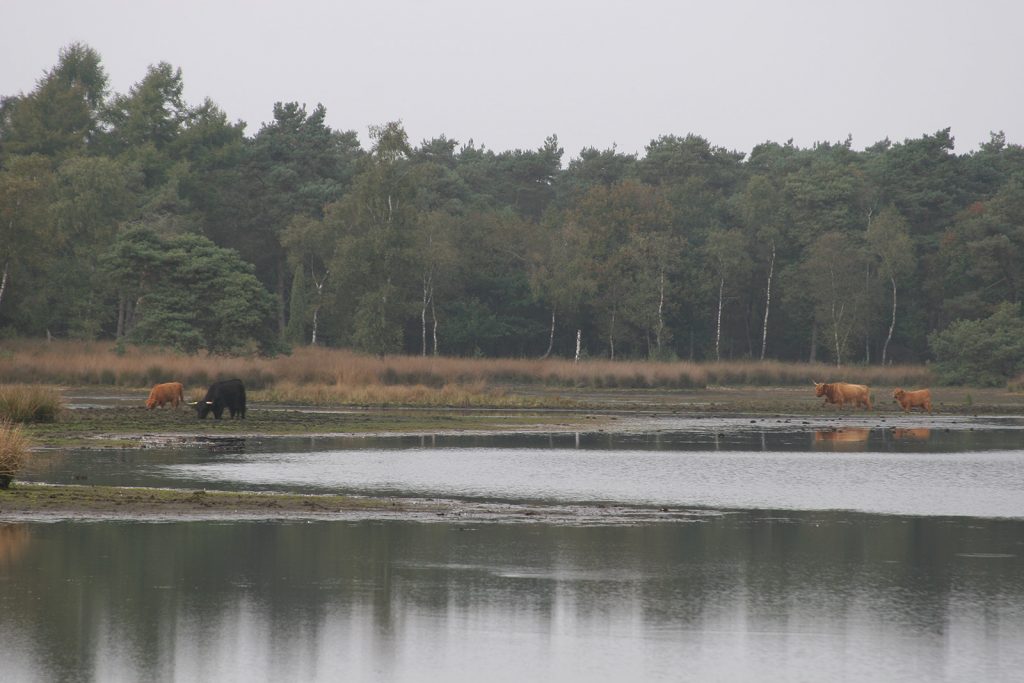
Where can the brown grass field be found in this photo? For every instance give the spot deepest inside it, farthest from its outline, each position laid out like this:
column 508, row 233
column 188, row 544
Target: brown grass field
column 337, row 377
column 338, row 372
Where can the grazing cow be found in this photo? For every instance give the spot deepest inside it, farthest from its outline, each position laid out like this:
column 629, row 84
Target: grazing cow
column 169, row 392
column 908, row 400
column 842, row 393
column 228, row 394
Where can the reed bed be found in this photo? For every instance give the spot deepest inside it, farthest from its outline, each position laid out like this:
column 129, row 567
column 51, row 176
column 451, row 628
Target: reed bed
column 13, row 451
column 29, row 403
column 342, row 372
column 476, row 395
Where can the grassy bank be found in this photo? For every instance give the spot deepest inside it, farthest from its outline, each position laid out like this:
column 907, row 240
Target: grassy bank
column 136, row 427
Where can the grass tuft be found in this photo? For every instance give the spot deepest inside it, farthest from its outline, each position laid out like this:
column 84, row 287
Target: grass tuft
column 13, row 451
column 29, row 403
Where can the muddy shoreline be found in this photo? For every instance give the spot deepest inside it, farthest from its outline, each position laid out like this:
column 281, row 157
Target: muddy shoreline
column 51, row 503
column 105, row 420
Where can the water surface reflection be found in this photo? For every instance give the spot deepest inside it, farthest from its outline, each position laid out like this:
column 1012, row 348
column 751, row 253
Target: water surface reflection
column 956, row 467
column 742, row 596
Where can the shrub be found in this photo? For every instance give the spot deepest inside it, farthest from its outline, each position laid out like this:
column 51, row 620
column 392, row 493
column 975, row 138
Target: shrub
column 29, row 403
column 984, row 352
column 13, row 451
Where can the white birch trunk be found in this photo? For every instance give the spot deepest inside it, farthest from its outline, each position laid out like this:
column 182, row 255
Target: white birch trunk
column 835, row 331
column 892, row 323
column 718, row 324
column 551, row 335
column 3, row 281
column 579, row 335
column 611, row 336
column 767, row 302
column 433, row 317
column 661, row 313
column 423, row 317
column 316, row 324
column 318, row 283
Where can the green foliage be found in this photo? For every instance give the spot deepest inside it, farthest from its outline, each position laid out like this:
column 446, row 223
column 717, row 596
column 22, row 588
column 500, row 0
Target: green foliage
column 295, row 331
column 986, row 352
column 60, row 116
column 191, row 294
column 376, row 327
column 456, row 248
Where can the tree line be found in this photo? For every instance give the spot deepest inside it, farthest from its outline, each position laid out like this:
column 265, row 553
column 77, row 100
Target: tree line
column 140, row 218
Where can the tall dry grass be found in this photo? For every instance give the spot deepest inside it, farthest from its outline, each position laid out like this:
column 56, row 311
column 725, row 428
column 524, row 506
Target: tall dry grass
column 13, row 451
column 97, row 363
column 29, row 403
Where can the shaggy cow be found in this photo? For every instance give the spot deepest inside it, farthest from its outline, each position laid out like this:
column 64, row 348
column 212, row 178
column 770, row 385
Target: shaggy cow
column 169, row 392
column 228, row 394
column 842, row 393
column 908, row 400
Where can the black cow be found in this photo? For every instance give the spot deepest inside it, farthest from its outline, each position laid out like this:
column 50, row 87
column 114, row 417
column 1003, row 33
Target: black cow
column 230, row 394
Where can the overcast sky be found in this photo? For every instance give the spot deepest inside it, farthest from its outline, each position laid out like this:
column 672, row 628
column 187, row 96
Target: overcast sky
column 506, row 74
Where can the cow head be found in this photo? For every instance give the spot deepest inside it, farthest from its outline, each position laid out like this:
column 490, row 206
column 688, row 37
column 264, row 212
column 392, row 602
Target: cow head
column 203, row 408
column 820, row 388
column 898, row 395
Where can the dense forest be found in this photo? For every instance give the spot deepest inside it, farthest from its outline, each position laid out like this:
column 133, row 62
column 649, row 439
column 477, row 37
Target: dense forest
column 141, row 218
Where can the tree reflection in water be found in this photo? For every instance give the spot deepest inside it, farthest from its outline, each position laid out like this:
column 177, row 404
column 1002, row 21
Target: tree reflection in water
column 732, row 596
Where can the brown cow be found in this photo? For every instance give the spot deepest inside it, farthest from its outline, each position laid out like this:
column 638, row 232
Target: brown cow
column 842, row 393
column 169, row 392
column 908, row 400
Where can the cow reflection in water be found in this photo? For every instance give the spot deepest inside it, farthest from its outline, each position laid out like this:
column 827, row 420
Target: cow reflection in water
column 849, row 438
column 916, row 434
column 13, row 542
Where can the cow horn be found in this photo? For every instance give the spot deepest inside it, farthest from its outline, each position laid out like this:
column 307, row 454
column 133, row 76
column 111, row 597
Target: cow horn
column 209, row 403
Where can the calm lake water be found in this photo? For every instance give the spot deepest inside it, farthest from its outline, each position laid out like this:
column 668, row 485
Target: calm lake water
column 741, row 596
column 814, row 552
column 956, row 466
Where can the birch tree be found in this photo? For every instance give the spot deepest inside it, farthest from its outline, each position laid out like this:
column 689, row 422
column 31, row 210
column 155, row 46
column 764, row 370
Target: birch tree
column 436, row 257
column 834, row 268
column 560, row 272
column 888, row 238
column 727, row 260
column 310, row 245
column 375, row 224
column 762, row 211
